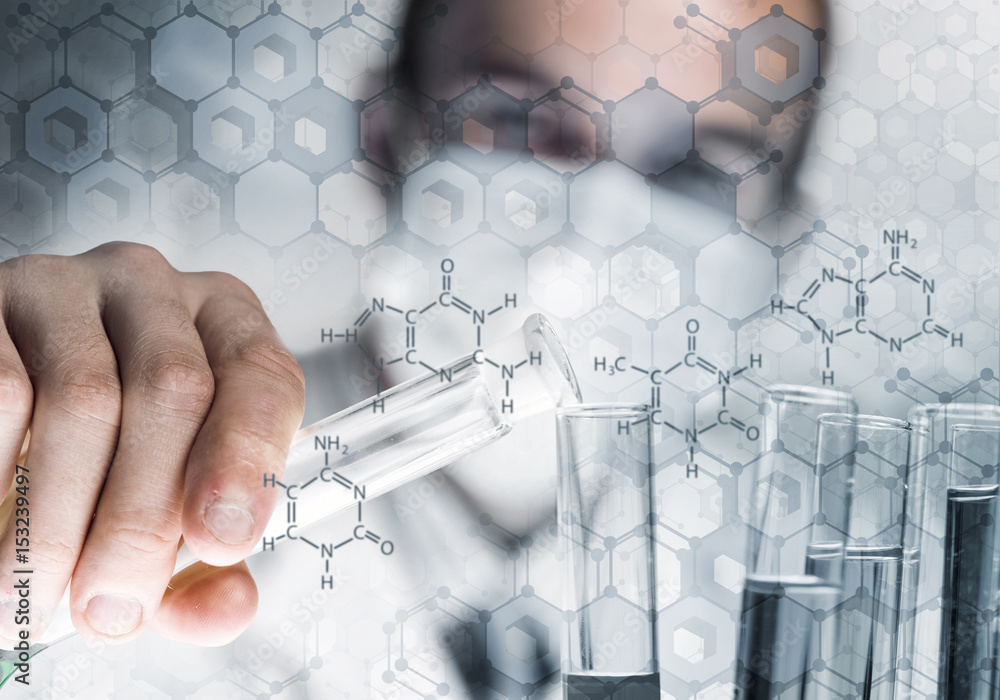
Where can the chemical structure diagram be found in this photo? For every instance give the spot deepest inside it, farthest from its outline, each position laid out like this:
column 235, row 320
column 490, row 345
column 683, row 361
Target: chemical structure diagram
column 414, row 318
column 882, row 296
column 332, row 449
column 837, row 303
column 271, row 148
column 692, row 368
column 327, row 550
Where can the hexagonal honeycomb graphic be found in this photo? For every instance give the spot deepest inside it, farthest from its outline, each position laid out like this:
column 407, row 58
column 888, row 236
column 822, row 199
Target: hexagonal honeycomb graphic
column 233, row 130
column 65, row 130
column 174, row 48
column 770, row 64
column 144, row 136
column 274, row 58
column 697, row 197
column 318, row 132
column 776, row 58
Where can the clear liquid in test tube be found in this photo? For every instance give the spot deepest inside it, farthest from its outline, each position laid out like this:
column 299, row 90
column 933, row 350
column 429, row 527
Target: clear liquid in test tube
column 968, row 593
column 604, row 511
column 861, row 653
column 407, row 432
column 798, row 520
column 949, row 553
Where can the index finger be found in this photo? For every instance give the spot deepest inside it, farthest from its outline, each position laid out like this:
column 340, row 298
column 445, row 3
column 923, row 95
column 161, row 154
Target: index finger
column 258, row 406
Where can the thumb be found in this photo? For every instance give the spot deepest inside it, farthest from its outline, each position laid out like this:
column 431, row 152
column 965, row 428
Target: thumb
column 207, row 605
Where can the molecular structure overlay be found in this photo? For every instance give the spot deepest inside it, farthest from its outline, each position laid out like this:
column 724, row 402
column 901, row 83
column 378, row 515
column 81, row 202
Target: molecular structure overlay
column 332, row 447
column 390, row 222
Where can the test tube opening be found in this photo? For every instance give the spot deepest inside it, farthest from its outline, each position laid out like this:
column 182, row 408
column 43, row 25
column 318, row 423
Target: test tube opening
column 798, row 505
column 862, row 636
column 947, row 635
column 534, row 372
column 605, row 518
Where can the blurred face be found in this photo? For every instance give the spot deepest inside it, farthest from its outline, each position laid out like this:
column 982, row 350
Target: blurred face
column 607, row 50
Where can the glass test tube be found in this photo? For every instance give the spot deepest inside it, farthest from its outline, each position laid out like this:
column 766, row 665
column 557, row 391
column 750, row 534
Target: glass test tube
column 863, row 654
column 407, row 432
column 605, row 519
column 950, row 558
column 797, row 523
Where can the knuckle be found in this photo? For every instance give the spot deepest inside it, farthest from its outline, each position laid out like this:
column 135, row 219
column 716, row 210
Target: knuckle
column 127, row 252
column 232, row 285
column 52, row 555
column 143, row 535
column 16, row 393
column 180, row 380
column 249, row 449
column 35, row 261
column 91, row 392
column 271, row 360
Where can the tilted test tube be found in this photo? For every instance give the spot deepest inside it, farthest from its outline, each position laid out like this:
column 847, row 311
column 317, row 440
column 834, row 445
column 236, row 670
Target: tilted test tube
column 407, row 432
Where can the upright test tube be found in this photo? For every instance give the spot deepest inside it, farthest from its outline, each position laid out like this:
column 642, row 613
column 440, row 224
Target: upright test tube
column 950, row 563
column 862, row 656
column 798, row 521
column 406, row 432
column 604, row 516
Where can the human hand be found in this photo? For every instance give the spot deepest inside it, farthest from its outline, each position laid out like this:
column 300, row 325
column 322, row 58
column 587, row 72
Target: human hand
column 156, row 400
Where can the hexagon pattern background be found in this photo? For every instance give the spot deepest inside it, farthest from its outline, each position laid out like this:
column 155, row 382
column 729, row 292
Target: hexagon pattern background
column 681, row 272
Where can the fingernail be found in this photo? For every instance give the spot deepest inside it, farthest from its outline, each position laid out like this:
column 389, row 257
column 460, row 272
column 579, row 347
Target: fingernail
column 114, row 615
column 229, row 522
column 9, row 629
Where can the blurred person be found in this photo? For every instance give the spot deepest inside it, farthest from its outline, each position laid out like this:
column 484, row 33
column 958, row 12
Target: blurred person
column 479, row 64
column 156, row 398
